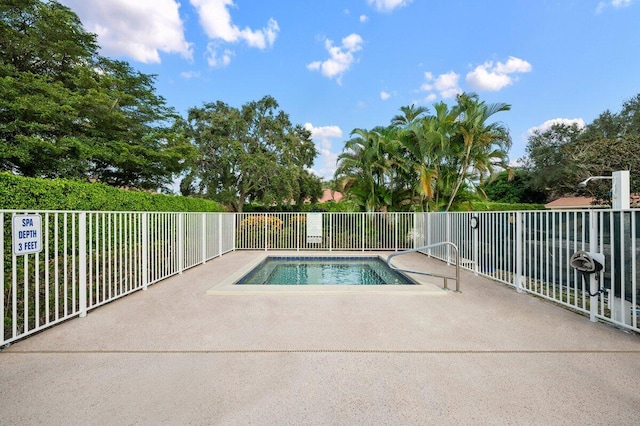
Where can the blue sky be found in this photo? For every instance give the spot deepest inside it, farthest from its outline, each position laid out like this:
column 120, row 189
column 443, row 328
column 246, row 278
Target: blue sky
column 338, row 65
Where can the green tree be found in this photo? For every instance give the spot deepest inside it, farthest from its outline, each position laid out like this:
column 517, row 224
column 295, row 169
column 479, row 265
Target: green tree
column 513, row 187
column 610, row 143
column 602, row 157
column 564, row 155
column 550, row 159
column 251, row 154
column 365, row 168
column 310, row 188
column 137, row 139
column 630, row 117
column 431, row 160
column 67, row 112
column 410, row 115
column 41, row 45
column 426, row 141
column 477, row 147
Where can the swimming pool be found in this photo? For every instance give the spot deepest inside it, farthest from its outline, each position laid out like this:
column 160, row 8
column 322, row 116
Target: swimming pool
column 324, row 271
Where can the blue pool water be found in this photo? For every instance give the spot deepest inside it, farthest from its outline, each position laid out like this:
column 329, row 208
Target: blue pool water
column 323, row 271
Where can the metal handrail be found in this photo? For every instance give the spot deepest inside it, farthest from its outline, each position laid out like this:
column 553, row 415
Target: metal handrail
column 430, row 246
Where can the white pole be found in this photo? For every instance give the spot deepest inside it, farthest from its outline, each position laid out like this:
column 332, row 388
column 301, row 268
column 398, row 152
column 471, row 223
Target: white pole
column 145, row 251
column 621, row 190
column 82, row 263
column 620, row 195
column 593, row 243
column 519, row 243
column 181, row 242
column 476, row 249
column 203, row 235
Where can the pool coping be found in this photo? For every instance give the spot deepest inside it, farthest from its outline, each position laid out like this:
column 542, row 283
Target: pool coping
column 227, row 286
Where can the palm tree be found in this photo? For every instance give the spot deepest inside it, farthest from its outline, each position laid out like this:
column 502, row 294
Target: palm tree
column 424, row 158
column 362, row 169
column 477, row 146
column 427, row 142
column 410, row 114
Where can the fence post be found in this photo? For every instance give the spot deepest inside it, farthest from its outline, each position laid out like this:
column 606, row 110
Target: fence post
column 180, row 243
column 265, row 231
column 448, row 237
column 395, row 222
column 519, row 242
column 82, row 262
column 297, row 233
column 414, row 226
column 233, row 232
column 330, row 233
column 593, row 246
column 204, row 238
column 364, row 223
column 145, row 251
column 2, row 276
column 428, row 232
column 476, row 249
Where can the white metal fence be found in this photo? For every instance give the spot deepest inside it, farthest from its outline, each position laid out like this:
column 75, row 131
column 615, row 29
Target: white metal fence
column 91, row 258
column 531, row 251
column 325, row 231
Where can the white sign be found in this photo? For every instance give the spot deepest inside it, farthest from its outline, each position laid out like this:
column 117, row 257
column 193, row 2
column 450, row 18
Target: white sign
column 314, row 228
column 27, row 234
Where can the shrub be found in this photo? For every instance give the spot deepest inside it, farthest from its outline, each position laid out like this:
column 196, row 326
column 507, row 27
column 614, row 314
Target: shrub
column 487, row 206
column 258, row 222
column 22, row 193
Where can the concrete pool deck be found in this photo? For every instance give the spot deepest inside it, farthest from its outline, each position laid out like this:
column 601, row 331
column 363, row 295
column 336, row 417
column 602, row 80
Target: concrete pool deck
column 176, row 355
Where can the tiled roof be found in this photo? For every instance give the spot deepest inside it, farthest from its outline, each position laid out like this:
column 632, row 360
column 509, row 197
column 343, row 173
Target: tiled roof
column 330, row 195
column 571, row 203
column 585, row 203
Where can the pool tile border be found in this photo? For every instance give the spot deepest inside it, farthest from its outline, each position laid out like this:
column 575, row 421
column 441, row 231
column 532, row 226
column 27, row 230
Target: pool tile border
column 227, row 286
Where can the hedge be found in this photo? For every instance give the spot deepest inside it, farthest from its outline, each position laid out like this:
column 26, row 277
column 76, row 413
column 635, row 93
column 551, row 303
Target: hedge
column 490, row 206
column 22, row 193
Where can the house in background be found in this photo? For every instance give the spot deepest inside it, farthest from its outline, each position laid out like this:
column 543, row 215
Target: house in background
column 330, row 195
column 572, row 203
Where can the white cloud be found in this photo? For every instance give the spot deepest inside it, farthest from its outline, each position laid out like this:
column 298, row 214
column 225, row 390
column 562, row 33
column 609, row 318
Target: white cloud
column 428, row 78
column 616, row 4
column 364, row 18
column 352, row 42
column 322, row 138
column 384, row 95
column 446, row 85
column 340, row 57
column 483, row 79
column 493, row 78
column 550, row 123
column 324, row 133
column 217, row 23
column 217, row 59
column 513, row 65
column 430, row 98
column 388, row 5
column 138, row 29
column 190, row 74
